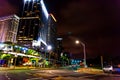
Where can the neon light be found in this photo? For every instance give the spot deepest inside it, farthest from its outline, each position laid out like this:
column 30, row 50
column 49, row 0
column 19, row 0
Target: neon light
column 53, row 17
column 44, row 9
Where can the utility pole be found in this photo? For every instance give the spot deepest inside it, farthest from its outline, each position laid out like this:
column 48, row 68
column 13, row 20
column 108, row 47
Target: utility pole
column 101, row 57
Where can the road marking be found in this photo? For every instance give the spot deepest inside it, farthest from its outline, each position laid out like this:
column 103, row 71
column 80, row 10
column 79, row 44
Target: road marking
column 7, row 76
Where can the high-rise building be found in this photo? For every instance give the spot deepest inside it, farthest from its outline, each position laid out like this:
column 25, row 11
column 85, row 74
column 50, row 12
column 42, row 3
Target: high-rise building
column 37, row 26
column 52, row 32
column 9, row 28
column 29, row 23
column 49, row 30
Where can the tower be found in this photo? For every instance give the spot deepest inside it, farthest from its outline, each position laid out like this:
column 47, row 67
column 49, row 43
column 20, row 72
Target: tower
column 30, row 22
column 36, row 25
column 52, row 33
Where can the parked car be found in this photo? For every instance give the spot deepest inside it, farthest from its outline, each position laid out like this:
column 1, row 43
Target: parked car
column 111, row 69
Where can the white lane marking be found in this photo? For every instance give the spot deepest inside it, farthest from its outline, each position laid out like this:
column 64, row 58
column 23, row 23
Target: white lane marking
column 6, row 75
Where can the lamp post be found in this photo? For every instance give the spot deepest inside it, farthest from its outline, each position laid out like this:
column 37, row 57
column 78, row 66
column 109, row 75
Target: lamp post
column 84, row 51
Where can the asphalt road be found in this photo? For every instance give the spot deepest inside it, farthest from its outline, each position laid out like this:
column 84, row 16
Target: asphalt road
column 36, row 74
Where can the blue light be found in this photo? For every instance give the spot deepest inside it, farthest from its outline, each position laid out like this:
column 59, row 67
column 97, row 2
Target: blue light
column 44, row 9
column 23, row 48
column 26, row 48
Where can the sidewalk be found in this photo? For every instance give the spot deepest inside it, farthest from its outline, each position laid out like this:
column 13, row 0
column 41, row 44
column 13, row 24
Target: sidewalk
column 83, row 70
column 12, row 68
column 26, row 67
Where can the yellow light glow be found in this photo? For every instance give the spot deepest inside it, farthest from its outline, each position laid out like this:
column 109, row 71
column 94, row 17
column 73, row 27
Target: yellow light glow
column 77, row 41
column 53, row 17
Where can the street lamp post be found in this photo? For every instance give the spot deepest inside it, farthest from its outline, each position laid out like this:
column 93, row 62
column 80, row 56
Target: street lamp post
column 84, row 51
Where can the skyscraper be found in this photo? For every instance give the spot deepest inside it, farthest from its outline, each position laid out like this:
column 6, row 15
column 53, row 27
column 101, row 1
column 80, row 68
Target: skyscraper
column 29, row 23
column 52, row 33
column 9, row 28
column 36, row 25
column 48, row 30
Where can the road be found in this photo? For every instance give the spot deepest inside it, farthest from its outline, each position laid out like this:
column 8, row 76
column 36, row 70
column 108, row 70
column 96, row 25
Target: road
column 37, row 74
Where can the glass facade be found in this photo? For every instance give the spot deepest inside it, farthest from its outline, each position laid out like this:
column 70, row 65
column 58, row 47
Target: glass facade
column 36, row 25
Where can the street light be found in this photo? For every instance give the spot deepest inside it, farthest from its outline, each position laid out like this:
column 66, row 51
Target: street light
column 49, row 47
column 84, row 51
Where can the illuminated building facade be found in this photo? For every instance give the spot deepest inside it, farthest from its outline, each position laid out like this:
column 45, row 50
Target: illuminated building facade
column 29, row 23
column 52, row 36
column 9, row 28
column 47, row 33
column 37, row 26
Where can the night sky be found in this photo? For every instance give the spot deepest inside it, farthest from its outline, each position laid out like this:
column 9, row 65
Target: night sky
column 94, row 22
